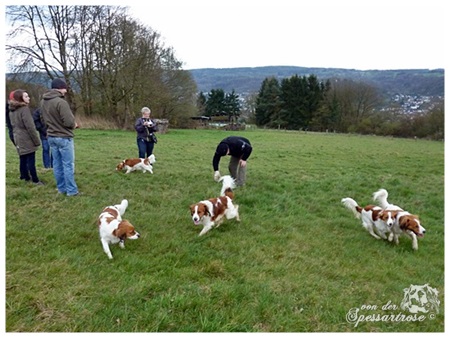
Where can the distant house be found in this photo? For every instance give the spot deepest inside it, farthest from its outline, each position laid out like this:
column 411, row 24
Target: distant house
column 219, row 122
column 200, row 121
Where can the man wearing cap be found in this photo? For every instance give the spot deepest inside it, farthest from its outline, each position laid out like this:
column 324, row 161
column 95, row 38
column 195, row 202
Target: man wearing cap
column 60, row 123
column 239, row 148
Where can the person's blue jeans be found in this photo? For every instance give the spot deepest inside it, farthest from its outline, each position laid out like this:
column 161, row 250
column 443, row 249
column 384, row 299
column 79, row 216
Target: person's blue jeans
column 63, row 153
column 46, row 154
column 145, row 147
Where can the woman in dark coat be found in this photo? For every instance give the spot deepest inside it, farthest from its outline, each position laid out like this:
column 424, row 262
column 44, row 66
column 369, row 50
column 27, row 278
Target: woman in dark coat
column 145, row 129
column 26, row 137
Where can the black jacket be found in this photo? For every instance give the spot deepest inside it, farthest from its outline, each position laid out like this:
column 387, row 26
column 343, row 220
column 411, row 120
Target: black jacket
column 238, row 146
column 40, row 125
column 9, row 125
column 145, row 132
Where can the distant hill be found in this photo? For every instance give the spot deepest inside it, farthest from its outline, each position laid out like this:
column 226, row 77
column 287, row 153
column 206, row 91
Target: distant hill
column 423, row 82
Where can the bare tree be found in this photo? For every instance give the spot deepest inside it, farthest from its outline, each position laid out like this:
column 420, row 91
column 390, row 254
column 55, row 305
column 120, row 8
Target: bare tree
column 112, row 64
column 41, row 39
column 356, row 101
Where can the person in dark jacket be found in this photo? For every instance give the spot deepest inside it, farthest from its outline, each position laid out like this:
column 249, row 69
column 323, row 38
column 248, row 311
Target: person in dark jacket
column 26, row 137
column 60, row 123
column 8, row 120
column 239, row 148
column 145, row 128
column 42, row 129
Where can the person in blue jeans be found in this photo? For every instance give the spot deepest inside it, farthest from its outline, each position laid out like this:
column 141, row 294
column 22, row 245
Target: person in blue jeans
column 145, row 129
column 60, row 123
column 42, row 129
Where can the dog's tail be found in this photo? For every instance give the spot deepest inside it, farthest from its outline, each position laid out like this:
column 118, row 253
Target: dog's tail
column 228, row 184
column 152, row 159
column 122, row 206
column 381, row 197
column 351, row 204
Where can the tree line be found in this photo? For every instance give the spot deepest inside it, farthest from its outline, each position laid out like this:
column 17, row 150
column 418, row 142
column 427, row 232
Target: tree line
column 340, row 105
column 113, row 64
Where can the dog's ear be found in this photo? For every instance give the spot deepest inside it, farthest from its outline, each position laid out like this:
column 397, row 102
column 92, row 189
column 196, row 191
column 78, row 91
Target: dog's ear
column 121, row 231
column 206, row 209
column 405, row 223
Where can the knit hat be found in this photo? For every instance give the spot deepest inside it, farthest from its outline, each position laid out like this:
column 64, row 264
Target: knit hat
column 59, row 84
column 222, row 149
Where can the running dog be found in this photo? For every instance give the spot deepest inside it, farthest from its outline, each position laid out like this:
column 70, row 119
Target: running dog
column 210, row 213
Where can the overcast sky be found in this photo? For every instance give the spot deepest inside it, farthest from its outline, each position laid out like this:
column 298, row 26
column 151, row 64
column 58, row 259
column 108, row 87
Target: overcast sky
column 363, row 35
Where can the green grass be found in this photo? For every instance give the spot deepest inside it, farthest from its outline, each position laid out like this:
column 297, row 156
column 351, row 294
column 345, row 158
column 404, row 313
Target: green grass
column 297, row 262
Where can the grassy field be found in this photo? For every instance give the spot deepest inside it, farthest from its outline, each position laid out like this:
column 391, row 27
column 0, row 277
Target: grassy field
column 297, row 262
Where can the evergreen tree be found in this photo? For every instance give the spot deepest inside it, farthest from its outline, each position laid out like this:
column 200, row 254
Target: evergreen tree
column 215, row 104
column 314, row 96
column 268, row 102
column 294, row 102
column 302, row 102
column 232, row 106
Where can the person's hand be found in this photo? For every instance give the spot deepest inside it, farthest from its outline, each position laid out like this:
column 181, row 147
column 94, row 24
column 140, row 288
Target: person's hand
column 217, row 176
column 242, row 163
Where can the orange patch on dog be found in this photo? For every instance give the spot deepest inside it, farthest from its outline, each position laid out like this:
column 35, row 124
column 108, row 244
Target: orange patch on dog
column 111, row 211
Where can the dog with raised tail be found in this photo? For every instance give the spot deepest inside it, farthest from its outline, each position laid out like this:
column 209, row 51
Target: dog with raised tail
column 375, row 220
column 113, row 229
column 210, row 213
column 133, row 164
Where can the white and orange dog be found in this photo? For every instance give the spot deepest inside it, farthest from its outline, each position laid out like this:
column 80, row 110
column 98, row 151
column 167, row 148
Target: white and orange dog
column 142, row 164
column 113, row 229
column 210, row 213
column 405, row 223
column 375, row 220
